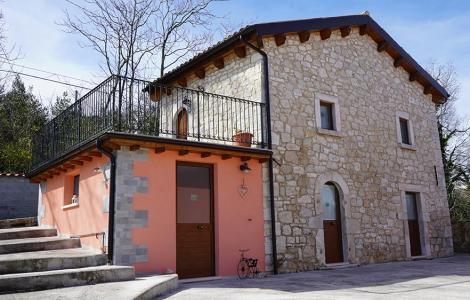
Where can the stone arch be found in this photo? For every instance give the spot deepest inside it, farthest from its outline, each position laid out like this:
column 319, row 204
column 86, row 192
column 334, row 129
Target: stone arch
column 346, row 221
column 175, row 128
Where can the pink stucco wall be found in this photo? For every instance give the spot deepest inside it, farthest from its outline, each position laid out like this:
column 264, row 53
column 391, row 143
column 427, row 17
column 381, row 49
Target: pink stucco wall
column 88, row 216
column 238, row 221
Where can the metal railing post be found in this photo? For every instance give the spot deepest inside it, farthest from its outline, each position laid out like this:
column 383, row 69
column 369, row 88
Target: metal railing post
column 198, row 119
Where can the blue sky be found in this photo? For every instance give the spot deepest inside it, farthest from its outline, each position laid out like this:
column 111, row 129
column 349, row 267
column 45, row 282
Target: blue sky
column 428, row 30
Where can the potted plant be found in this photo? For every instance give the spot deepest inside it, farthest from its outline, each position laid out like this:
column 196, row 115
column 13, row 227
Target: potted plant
column 242, row 138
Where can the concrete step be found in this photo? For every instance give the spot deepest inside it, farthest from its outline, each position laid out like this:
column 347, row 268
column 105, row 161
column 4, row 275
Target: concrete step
column 50, row 260
column 36, row 281
column 142, row 288
column 26, row 232
column 38, row 244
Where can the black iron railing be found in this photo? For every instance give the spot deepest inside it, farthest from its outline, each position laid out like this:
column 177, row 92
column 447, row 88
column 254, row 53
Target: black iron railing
column 134, row 106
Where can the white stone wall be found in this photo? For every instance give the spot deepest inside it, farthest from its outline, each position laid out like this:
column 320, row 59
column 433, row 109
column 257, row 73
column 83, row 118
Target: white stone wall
column 364, row 159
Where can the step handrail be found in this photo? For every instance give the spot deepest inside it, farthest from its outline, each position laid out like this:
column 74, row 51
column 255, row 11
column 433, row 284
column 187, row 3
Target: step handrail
column 96, row 234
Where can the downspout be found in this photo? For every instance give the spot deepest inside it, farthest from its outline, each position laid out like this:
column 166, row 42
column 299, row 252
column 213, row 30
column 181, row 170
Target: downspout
column 270, row 146
column 112, row 193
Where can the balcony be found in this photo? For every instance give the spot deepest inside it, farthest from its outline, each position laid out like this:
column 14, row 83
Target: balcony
column 138, row 107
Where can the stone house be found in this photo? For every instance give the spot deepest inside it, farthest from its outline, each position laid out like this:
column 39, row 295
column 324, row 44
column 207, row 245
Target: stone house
column 316, row 142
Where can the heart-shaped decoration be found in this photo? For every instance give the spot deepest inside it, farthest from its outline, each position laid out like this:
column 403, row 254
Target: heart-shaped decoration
column 242, row 190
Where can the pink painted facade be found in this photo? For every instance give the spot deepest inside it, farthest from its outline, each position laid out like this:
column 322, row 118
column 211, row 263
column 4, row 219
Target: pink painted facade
column 238, row 221
column 86, row 217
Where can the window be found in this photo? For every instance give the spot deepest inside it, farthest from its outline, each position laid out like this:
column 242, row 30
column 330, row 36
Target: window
column 327, row 117
column 405, row 133
column 326, row 113
column 76, row 189
column 411, row 209
column 329, row 196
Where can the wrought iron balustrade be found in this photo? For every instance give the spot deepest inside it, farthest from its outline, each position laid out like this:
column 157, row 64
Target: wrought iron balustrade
column 134, row 106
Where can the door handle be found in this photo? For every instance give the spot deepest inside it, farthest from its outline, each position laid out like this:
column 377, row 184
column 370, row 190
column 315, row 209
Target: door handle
column 200, row 227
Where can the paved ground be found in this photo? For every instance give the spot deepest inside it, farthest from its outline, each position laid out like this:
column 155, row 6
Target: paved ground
column 445, row 278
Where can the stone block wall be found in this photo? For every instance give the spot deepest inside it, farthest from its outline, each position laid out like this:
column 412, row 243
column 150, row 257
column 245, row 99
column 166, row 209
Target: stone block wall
column 461, row 235
column 364, row 160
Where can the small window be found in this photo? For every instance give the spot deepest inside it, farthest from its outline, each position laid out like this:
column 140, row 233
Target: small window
column 411, row 207
column 405, row 131
column 76, row 185
column 326, row 113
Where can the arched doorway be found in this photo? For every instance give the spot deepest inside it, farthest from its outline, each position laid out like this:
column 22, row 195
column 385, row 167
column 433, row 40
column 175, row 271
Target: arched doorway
column 182, row 124
column 333, row 237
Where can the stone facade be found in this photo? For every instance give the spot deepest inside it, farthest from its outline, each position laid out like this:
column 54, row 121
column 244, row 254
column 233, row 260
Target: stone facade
column 371, row 170
column 369, row 167
column 126, row 217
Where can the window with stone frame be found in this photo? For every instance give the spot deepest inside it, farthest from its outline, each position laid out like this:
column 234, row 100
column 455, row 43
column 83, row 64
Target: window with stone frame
column 327, row 114
column 405, row 134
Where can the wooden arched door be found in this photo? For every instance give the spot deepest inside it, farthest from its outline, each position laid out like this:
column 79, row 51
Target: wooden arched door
column 332, row 224
column 182, row 124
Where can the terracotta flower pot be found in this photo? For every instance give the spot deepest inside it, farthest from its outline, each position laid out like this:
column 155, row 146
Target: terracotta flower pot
column 242, row 139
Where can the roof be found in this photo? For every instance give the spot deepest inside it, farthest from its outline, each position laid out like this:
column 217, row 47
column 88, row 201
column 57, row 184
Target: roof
column 7, row 174
column 364, row 21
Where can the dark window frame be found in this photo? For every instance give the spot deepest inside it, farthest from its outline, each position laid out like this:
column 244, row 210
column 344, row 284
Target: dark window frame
column 329, row 124
column 405, row 131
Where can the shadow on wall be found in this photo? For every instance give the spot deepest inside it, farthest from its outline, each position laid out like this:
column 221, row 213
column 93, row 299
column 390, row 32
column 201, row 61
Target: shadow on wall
column 376, row 280
column 461, row 236
column 18, row 197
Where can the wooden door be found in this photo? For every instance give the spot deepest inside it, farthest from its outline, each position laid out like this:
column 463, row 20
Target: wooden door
column 182, row 124
column 332, row 224
column 194, row 221
column 413, row 224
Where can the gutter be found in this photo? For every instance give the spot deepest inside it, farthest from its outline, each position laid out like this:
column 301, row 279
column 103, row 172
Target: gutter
column 112, row 197
column 270, row 146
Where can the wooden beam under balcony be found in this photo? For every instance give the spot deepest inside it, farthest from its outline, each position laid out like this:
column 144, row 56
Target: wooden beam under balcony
column 68, row 166
column 205, row 154
column 345, row 31
column 280, row 39
column 262, row 160
column 427, row 90
column 240, row 51
column 95, row 153
column 245, row 158
column 134, row 147
column 159, row 150
column 76, row 162
column 200, row 73
column 226, row 156
column 325, row 33
column 218, row 62
column 85, row 158
column 183, row 82
column 304, row 36
column 183, row 152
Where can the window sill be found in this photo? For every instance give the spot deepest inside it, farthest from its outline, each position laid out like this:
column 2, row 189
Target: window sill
column 70, row 206
column 330, row 132
column 407, row 147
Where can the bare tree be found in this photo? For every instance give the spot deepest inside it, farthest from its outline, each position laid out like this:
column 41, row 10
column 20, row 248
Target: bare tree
column 454, row 134
column 7, row 55
column 184, row 28
column 120, row 31
column 132, row 35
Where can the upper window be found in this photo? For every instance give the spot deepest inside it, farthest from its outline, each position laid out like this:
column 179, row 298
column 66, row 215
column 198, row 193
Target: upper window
column 71, row 189
column 327, row 116
column 76, row 185
column 405, row 135
column 405, row 131
column 326, row 113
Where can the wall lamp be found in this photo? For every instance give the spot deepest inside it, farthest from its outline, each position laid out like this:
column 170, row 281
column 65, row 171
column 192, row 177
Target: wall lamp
column 245, row 168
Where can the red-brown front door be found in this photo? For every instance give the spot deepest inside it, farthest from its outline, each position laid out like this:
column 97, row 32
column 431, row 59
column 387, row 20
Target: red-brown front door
column 332, row 224
column 413, row 224
column 182, row 124
column 194, row 221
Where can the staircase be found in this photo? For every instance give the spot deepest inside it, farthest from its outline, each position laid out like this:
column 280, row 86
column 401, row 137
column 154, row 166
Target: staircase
column 35, row 258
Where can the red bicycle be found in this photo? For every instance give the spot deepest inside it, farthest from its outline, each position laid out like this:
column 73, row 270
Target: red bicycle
column 247, row 267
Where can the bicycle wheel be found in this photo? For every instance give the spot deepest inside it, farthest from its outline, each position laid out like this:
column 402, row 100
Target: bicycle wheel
column 243, row 269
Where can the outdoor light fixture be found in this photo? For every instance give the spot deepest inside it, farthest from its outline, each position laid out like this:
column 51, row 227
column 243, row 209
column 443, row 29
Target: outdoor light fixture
column 97, row 170
column 245, row 168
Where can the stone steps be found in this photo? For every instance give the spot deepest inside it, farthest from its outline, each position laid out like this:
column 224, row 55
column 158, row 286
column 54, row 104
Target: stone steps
column 37, row 244
column 73, row 258
column 35, row 281
column 26, row 232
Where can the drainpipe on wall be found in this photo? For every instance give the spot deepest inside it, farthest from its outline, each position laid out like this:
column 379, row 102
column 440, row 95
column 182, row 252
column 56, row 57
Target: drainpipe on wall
column 270, row 146
column 112, row 193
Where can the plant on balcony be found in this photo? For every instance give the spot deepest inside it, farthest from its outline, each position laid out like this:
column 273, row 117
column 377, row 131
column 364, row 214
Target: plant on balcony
column 242, row 138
